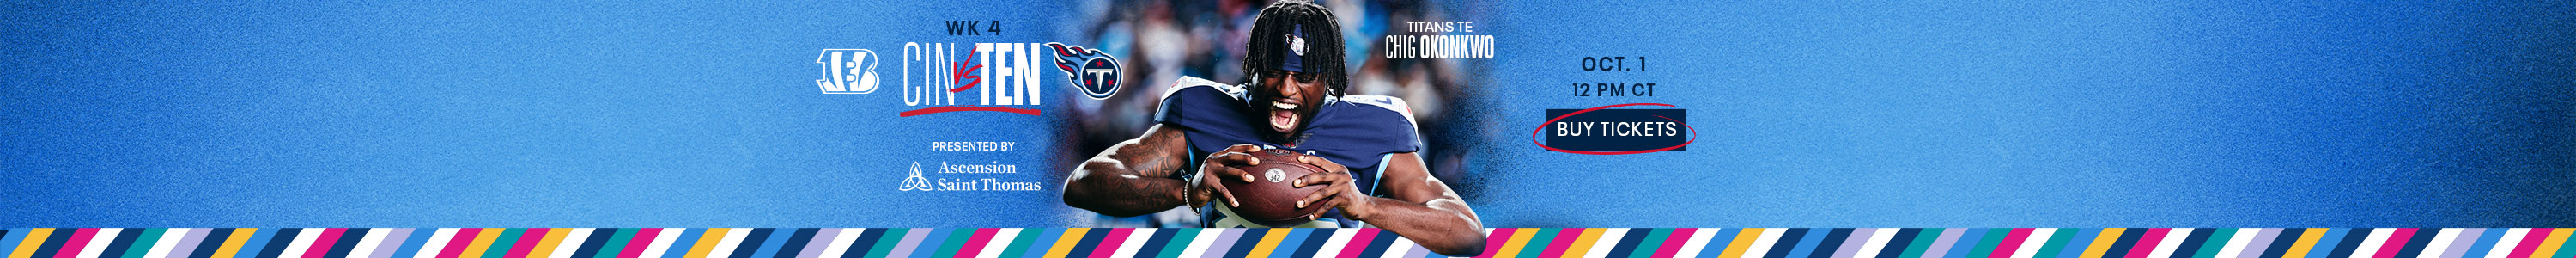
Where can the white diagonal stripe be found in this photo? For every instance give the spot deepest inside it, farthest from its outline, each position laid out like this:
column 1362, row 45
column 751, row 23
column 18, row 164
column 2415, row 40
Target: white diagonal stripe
column 2236, row 244
column 662, row 243
column 840, row 243
column 2441, row 242
column 1398, row 250
column 302, row 242
column 437, row 241
column 367, row 245
column 1333, row 246
column 1698, row 242
column 2173, row 238
column 1198, row 247
column 994, row 247
column 571, row 242
column 2504, row 245
column 732, row 238
column 99, row 241
column 1762, row 246
column 2030, row 245
column 2370, row 246
column 169, row 239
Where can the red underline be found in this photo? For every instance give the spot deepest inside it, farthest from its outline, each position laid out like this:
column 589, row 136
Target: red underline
column 946, row 109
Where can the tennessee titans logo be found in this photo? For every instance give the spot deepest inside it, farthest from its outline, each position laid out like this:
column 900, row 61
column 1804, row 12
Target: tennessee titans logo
column 1096, row 72
column 1297, row 44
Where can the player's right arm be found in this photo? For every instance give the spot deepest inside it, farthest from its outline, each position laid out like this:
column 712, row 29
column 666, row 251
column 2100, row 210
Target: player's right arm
column 1135, row 176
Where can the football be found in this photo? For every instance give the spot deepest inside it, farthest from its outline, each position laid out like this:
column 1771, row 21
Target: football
column 1271, row 198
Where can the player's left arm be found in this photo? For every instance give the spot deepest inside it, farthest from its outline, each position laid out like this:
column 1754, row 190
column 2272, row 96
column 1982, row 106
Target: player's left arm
column 1418, row 206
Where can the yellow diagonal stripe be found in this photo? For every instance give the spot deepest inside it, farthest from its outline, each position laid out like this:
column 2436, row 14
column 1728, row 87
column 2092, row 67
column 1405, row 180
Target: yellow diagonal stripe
column 1269, row 242
column 544, row 248
column 482, row 242
column 35, row 238
column 1583, row 244
column 1744, row 240
column 1520, row 237
column 1064, row 245
column 232, row 244
column 708, row 242
column 2306, row 242
column 2103, row 243
column 2550, row 247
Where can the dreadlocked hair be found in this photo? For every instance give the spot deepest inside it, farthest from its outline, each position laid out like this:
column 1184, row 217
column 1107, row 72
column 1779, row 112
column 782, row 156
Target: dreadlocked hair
column 1323, row 39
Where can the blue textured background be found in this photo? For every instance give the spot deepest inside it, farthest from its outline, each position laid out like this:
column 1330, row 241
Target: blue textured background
column 2083, row 114
column 1815, row 114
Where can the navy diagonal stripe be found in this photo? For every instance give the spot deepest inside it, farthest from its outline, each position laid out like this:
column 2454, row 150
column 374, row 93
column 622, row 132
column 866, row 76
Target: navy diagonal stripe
column 1787, row 241
column 1377, row 246
column 277, row 244
column 2415, row 246
column 1628, row 242
column 796, row 243
column 1833, row 240
column 2127, row 239
column 1904, row 237
column 349, row 239
column 598, row 237
column 867, row 241
column 1153, row 246
column 1090, row 240
column 214, row 241
column 116, row 248
column 54, row 243
column 2191, row 245
column 124, row 242
column 2350, row 242
column 1251, row 239
column 752, row 242
column 1314, row 241
column 2282, row 241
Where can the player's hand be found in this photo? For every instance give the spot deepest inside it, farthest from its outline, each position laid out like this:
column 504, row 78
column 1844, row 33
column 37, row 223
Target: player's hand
column 1218, row 167
column 1338, row 190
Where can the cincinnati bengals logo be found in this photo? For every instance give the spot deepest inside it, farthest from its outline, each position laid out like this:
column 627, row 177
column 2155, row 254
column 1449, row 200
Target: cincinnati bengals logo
column 848, row 71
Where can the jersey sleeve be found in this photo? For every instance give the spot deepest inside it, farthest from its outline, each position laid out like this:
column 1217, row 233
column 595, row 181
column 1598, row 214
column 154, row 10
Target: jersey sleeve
column 1210, row 114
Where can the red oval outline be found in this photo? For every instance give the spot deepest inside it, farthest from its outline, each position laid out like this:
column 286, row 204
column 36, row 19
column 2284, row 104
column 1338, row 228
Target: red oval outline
column 1542, row 127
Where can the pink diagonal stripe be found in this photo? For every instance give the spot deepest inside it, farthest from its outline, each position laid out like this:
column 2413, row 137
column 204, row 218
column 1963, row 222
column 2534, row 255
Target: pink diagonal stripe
column 977, row 244
column 2530, row 242
column 1672, row 244
column 1564, row 240
column 2396, row 242
column 2147, row 244
column 644, row 239
column 322, row 244
column 1109, row 245
column 456, row 246
column 1493, row 241
column 2012, row 242
column 80, row 239
column 527, row 243
column 1359, row 243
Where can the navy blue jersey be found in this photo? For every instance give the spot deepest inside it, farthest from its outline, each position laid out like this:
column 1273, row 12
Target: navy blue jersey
column 1357, row 131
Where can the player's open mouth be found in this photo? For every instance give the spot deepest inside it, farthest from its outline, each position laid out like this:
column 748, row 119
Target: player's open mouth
column 1283, row 116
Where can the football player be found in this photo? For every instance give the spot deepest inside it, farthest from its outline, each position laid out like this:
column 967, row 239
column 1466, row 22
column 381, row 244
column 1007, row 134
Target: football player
column 1295, row 101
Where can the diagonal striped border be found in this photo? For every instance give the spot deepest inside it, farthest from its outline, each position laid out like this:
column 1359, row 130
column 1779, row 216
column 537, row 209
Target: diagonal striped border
column 1280, row 243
